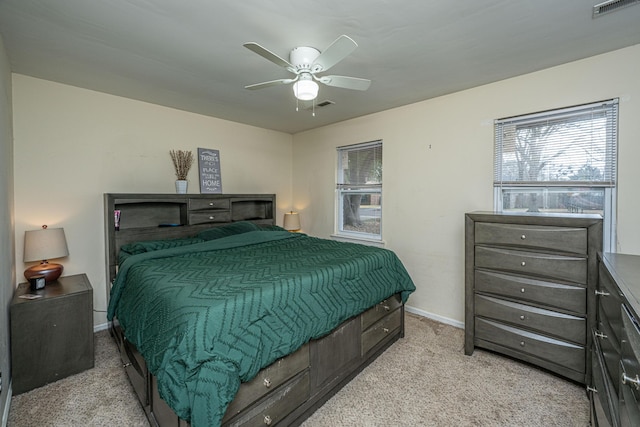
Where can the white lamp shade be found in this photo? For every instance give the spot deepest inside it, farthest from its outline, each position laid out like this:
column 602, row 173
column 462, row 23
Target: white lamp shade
column 305, row 90
column 44, row 244
column 291, row 221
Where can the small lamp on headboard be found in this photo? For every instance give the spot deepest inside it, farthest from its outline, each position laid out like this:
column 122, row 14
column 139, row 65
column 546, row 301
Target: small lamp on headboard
column 291, row 221
column 42, row 245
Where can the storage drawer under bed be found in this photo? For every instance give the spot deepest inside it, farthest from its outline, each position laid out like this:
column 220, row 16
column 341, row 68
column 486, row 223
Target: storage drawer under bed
column 136, row 369
column 380, row 310
column 268, row 380
column 380, row 330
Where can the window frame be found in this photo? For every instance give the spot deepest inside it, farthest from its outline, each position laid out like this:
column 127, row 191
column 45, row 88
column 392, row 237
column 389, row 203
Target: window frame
column 607, row 185
column 343, row 189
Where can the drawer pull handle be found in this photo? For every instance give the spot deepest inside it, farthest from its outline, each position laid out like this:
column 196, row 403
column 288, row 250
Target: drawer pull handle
column 635, row 381
column 267, row 420
column 522, row 343
column 387, row 308
column 522, row 317
column 210, row 203
column 126, row 365
column 522, row 290
column 591, row 389
column 602, row 293
column 267, row 382
column 600, row 335
column 212, row 217
column 523, row 263
column 523, row 237
column 385, row 330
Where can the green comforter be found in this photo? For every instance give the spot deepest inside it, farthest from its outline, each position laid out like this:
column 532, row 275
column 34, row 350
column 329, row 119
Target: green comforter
column 210, row 315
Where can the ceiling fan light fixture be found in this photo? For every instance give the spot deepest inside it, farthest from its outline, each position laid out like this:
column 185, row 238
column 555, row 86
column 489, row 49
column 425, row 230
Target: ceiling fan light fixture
column 305, row 90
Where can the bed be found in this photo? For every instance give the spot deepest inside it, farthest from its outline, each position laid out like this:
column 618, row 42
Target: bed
column 240, row 322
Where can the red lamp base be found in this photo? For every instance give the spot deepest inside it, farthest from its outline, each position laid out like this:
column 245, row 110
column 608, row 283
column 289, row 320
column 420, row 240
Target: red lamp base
column 50, row 271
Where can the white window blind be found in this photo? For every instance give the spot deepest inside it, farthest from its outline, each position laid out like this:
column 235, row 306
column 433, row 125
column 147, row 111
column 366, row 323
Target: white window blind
column 574, row 146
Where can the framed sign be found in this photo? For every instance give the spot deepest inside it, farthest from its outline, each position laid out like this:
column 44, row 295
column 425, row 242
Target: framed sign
column 209, row 167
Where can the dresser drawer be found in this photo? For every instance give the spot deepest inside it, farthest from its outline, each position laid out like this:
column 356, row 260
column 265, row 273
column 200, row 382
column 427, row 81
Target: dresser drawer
column 550, row 294
column 604, row 402
column 609, row 301
column 209, row 204
column 560, row 267
column 268, row 380
column 563, row 239
column 558, row 352
column 610, row 352
column 381, row 330
column 277, row 405
column 629, row 395
column 205, row 217
column 380, row 310
column 549, row 322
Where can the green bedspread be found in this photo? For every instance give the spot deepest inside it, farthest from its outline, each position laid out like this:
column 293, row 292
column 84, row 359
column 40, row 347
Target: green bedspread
column 210, row 315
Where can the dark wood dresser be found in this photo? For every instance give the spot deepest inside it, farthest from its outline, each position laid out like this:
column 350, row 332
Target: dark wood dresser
column 615, row 386
column 529, row 287
column 51, row 335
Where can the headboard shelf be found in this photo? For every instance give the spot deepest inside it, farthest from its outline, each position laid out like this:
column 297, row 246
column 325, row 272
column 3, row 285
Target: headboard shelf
column 142, row 214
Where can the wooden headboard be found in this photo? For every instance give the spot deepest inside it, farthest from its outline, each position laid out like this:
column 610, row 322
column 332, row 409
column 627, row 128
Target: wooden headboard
column 172, row 216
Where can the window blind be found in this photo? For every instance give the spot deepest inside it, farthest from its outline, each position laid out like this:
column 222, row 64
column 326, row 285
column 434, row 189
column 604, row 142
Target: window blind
column 566, row 147
column 360, row 166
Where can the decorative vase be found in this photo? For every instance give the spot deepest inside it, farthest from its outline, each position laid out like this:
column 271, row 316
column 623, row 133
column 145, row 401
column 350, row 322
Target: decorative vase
column 181, row 186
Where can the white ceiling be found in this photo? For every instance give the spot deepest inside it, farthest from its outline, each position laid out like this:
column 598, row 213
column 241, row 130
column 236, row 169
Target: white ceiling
column 188, row 54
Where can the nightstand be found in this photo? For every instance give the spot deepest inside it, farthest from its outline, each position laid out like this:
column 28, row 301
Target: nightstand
column 52, row 334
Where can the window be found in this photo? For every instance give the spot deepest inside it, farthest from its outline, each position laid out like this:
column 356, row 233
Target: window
column 359, row 191
column 559, row 161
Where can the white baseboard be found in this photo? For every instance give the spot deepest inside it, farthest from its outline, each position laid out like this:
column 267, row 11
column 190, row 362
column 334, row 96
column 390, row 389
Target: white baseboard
column 435, row 317
column 100, row 327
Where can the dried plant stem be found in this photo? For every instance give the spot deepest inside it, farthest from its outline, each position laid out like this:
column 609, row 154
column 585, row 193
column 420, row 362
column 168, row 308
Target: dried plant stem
column 182, row 161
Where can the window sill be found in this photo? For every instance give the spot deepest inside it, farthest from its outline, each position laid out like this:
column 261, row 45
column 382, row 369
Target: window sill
column 360, row 240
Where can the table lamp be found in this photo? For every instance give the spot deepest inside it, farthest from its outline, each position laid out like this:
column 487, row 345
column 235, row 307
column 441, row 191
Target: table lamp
column 42, row 245
column 291, row 221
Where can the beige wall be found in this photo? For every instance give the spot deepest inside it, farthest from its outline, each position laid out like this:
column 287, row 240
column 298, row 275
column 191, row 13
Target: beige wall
column 438, row 164
column 72, row 145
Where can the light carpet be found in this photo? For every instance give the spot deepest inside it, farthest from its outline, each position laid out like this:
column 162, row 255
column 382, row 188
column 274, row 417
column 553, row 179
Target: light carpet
column 422, row 380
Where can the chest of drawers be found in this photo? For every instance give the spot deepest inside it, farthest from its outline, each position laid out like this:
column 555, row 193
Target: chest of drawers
column 529, row 281
column 615, row 383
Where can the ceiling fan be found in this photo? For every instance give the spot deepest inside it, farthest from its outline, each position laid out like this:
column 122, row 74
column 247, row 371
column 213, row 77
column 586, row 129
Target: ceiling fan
column 306, row 62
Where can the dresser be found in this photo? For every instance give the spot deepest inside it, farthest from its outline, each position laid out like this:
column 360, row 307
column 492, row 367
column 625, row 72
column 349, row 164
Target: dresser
column 529, row 287
column 51, row 332
column 614, row 390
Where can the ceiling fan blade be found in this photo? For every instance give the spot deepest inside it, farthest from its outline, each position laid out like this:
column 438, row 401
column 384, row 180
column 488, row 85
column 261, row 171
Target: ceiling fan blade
column 267, row 54
column 345, row 82
column 335, row 53
column 270, row 83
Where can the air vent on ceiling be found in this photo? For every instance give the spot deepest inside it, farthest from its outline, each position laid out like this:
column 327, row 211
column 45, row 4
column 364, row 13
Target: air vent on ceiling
column 611, row 6
column 321, row 104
